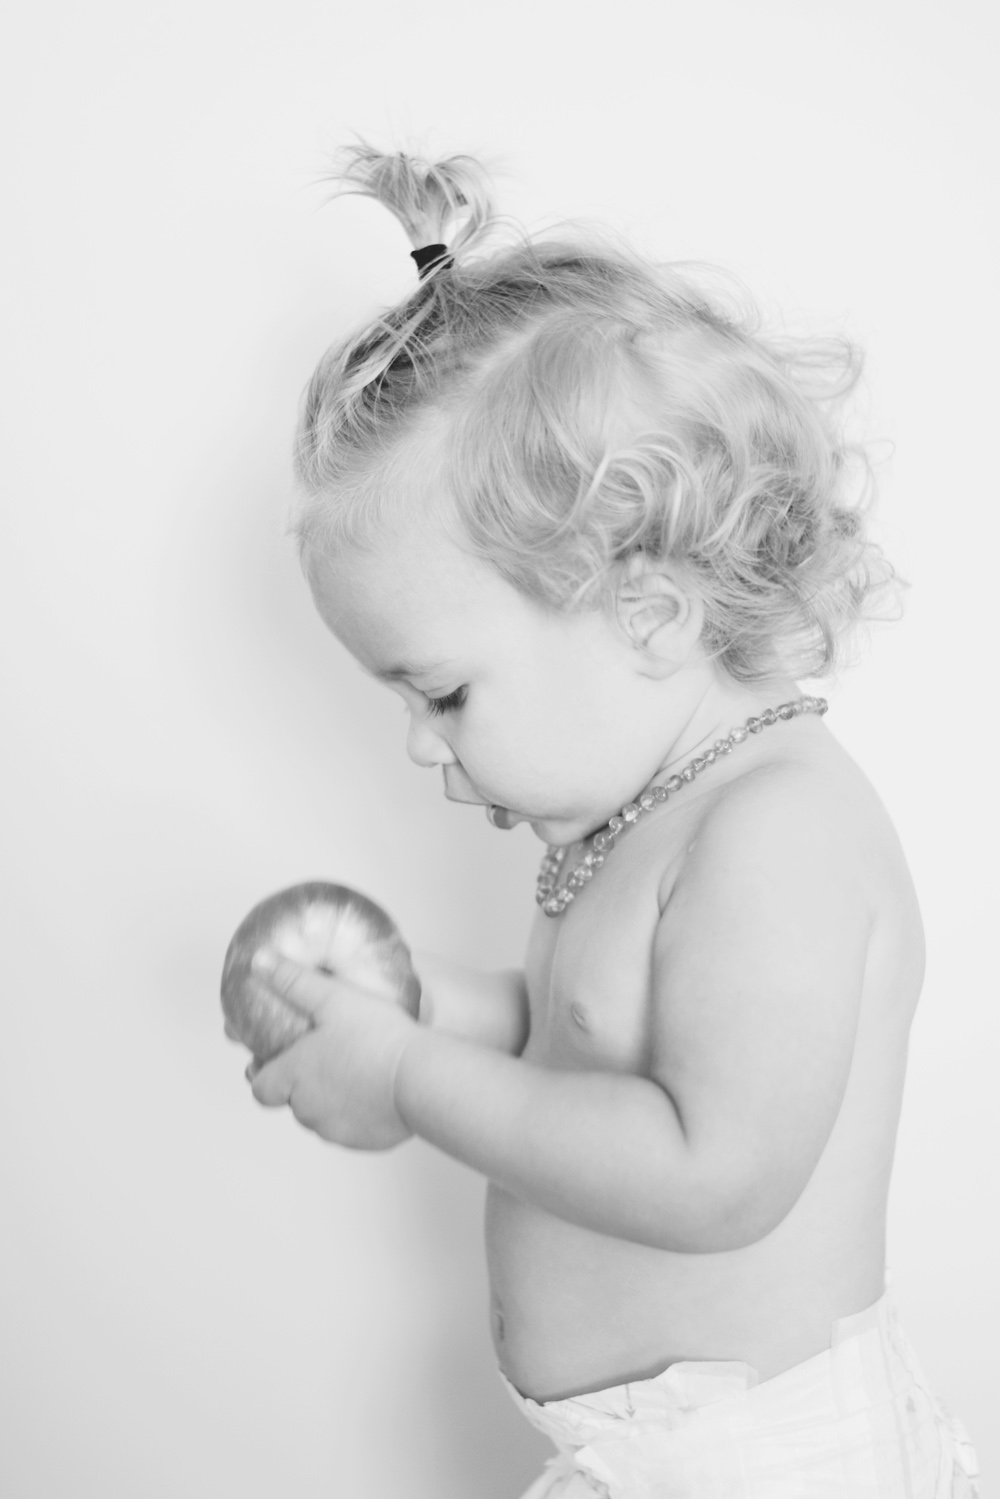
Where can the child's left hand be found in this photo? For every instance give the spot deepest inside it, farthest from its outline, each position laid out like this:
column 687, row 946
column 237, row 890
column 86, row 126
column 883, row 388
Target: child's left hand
column 338, row 1080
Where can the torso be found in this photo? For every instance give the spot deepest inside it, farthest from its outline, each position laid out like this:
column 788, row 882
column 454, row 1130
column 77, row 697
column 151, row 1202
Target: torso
column 574, row 1310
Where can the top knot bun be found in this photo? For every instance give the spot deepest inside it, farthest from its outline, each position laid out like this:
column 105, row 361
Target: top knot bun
column 445, row 202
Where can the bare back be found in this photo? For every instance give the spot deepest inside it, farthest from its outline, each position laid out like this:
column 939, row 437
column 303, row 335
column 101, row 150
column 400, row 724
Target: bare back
column 575, row 1310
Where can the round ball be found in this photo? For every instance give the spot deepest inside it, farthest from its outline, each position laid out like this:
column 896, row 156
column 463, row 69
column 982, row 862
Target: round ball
column 329, row 927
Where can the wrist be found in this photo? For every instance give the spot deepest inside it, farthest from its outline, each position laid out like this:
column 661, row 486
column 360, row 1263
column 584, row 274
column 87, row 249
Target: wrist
column 406, row 1066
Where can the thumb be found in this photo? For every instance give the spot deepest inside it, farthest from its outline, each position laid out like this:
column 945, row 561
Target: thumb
column 305, row 989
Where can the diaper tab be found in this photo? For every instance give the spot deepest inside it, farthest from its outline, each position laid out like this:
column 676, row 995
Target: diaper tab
column 665, row 1401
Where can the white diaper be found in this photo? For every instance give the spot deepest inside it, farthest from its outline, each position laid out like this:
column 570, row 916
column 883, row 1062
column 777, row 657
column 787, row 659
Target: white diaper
column 855, row 1422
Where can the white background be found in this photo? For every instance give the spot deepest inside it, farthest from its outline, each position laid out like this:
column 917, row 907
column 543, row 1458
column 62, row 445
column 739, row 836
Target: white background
column 199, row 1299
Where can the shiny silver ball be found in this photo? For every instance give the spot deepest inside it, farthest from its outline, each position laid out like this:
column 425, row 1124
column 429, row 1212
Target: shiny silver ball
column 328, row 927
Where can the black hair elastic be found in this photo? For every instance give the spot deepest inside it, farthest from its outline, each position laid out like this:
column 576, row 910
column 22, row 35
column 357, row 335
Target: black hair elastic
column 429, row 257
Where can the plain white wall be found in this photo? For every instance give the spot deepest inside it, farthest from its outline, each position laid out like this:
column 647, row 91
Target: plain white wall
column 199, row 1299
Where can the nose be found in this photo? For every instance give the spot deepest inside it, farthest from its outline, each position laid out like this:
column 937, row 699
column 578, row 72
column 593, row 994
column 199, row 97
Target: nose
column 425, row 746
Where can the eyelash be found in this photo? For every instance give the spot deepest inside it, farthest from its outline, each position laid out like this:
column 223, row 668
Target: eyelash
column 449, row 704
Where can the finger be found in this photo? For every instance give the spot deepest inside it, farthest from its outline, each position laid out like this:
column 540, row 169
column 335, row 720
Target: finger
column 272, row 1083
column 306, row 989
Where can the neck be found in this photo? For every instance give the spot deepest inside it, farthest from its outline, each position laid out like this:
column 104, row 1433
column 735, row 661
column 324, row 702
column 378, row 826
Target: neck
column 554, row 892
column 719, row 705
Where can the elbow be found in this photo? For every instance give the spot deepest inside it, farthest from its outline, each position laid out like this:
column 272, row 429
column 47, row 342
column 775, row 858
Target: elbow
column 740, row 1222
column 723, row 1216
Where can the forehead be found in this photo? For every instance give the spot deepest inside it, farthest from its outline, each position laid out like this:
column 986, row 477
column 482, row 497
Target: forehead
column 415, row 601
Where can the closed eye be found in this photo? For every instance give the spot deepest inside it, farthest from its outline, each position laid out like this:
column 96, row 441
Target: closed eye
column 449, row 704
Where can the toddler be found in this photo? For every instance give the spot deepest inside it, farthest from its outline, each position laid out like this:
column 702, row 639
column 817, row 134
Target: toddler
column 592, row 526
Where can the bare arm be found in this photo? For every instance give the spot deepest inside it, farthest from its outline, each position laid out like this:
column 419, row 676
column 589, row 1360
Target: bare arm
column 757, row 974
column 600, row 1149
column 488, row 1008
column 756, row 982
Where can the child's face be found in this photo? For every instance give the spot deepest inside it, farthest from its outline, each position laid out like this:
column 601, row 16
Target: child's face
column 545, row 713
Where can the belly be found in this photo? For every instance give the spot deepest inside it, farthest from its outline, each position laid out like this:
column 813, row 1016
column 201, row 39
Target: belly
column 574, row 1311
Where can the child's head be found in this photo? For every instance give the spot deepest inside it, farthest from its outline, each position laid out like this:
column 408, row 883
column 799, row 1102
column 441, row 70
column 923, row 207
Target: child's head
column 587, row 475
column 563, row 408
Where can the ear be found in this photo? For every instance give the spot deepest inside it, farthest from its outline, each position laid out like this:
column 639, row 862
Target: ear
column 661, row 614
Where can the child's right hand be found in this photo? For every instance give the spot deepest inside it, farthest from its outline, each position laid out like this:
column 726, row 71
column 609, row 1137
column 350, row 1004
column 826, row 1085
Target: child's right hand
column 339, row 1078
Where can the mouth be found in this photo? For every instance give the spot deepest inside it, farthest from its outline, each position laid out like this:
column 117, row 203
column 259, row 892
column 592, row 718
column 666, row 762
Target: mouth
column 457, row 789
column 500, row 816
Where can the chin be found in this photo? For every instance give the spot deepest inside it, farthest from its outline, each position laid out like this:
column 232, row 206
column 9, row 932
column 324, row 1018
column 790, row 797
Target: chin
column 561, row 832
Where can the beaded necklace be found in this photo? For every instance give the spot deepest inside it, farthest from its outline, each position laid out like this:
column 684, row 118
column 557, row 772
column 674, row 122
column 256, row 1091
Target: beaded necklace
column 554, row 897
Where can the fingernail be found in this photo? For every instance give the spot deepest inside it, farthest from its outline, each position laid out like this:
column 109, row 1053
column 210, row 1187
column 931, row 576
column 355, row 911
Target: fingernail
column 264, row 961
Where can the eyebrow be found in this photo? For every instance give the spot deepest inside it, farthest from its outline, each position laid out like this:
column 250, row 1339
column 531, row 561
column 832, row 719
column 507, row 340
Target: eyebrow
column 410, row 669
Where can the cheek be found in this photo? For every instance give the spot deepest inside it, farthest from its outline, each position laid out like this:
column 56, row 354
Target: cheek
column 541, row 716
column 534, row 750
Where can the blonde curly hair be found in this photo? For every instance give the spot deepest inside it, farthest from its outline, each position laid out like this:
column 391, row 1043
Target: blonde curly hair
column 586, row 406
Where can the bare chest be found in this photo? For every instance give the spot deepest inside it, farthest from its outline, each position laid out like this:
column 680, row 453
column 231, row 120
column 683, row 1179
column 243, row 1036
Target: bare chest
column 589, row 970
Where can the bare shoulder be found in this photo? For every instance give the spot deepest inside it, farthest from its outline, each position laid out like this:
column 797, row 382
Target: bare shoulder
column 778, row 874
column 812, row 816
